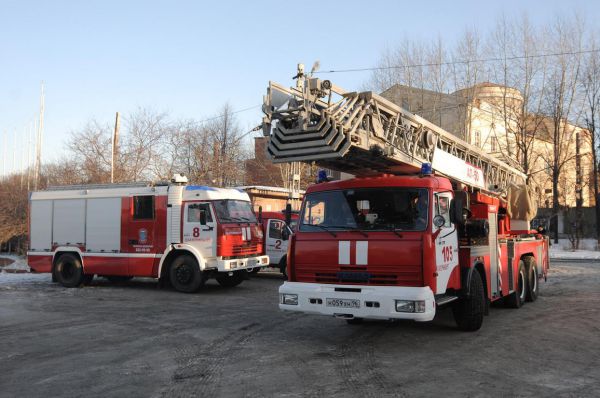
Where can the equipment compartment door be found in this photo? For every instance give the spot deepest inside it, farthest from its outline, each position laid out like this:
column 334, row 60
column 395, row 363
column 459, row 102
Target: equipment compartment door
column 140, row 235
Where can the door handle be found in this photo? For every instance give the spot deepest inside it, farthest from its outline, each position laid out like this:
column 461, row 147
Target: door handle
column 133, row 242
column 209, row 228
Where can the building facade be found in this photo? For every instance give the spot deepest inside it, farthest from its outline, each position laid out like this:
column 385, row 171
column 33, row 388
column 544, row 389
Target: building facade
column 492, row 117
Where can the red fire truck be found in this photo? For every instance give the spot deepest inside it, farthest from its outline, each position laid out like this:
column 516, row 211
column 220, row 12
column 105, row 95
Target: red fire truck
column 430, row 221
column 180, row 233
column 277, row 233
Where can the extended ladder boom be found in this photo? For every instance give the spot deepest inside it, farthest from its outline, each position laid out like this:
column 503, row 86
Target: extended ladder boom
column 363, row 133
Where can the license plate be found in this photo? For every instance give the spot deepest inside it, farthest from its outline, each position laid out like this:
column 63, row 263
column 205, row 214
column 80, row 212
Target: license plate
column 343, row 303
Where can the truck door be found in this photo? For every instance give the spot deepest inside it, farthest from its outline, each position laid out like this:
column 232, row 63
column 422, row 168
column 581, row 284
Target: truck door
column 446, row 243
column 276, row 245
column 140, row 235
column 203, row 237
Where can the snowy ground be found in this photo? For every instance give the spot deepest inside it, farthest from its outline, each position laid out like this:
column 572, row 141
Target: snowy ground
column 138, row 340
column 562, row 250
column 10, row 263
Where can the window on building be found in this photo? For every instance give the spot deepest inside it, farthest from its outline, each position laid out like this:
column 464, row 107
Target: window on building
column 494, row 144
column 143, row 207
column 477, row 139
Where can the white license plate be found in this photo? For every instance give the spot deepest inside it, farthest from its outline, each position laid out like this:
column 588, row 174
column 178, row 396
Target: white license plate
column 343, row 303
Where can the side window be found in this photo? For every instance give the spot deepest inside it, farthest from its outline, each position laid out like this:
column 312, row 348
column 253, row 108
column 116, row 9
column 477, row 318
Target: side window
column 194, row 210
column 314, row 212
column 143, row 207
column 442, row 208
column 276, row 229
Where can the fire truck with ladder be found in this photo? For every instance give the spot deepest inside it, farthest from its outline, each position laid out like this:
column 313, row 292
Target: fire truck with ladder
column 184, row 234
column 427, row 221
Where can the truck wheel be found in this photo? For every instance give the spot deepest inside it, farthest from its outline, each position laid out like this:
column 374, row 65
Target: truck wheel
column 185, row 274
column 468, row 311
column 532, row 280
column 255, row 270
column 283, row 267
column 517, row 298
column 231, row 281
column 68, row 270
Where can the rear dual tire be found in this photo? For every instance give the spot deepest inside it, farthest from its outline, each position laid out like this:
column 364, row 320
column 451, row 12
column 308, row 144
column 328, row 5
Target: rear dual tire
column 517, row 298
column 532, row 280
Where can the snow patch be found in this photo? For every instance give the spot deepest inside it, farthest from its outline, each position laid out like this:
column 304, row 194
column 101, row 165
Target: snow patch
column 15, row 264
column 589, row 250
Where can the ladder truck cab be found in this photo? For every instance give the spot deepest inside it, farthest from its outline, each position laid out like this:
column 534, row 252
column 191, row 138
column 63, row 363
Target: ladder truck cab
column 184, row 234
column 428, row 221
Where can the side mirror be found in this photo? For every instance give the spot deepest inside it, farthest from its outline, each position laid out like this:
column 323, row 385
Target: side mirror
column 285, row 233
column 458, row 205
column 439, row 221
column 288, row 213
column 202, row 217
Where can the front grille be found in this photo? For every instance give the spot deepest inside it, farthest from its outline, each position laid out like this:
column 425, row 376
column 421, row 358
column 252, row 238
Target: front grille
column 246, row 249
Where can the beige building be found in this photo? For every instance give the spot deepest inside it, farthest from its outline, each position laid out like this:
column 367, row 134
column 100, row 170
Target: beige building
column 490, row 116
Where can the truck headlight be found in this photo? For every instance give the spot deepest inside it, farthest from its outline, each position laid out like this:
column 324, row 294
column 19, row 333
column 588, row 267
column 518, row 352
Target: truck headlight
column 410, row 306
column 288, row 299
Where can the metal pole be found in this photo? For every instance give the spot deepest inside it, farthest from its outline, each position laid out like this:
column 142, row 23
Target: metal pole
column 39, row 140
column 115, row 143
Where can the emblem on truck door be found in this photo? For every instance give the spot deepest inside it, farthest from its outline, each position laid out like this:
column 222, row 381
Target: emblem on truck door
column 143, row 235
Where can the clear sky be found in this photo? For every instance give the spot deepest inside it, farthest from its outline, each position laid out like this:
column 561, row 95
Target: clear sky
column 189, row 57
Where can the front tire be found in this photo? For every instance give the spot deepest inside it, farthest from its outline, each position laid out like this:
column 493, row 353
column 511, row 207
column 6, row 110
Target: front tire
column 517, row 298
column 185, row 274
column 226, row 280
column 69, row 271
column 468, row 312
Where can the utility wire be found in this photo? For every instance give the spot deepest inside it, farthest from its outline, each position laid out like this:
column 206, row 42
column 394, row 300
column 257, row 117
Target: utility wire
column 230, row 113
column 446, row 63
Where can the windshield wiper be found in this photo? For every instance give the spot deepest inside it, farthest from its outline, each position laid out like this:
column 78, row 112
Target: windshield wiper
column 354, row 229
column 324, row 229
column 395, row 231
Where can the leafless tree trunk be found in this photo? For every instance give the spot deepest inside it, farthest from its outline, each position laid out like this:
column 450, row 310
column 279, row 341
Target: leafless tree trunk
column 591, row 88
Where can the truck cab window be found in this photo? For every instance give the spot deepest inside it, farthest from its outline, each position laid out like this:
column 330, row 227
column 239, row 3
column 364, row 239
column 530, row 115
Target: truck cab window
column 442, row 208
column 276, row 229
column 194, row 210
column 143, row 207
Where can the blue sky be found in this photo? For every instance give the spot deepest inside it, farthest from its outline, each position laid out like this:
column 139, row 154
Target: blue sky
column 189, row 57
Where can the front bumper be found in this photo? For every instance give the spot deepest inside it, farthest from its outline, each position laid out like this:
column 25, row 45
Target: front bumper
column 236, row 264
column 312, row 299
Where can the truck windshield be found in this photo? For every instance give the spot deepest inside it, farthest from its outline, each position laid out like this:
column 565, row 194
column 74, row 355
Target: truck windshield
column 234, row 211
column 372, row 209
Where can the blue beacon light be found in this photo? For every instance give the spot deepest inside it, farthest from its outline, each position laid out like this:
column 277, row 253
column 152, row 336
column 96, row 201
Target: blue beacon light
column 322, row 176
column 426, row 169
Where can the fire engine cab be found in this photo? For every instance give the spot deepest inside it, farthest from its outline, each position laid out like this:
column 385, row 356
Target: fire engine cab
column 184, row 234
column 277, row 232
column 428, row 221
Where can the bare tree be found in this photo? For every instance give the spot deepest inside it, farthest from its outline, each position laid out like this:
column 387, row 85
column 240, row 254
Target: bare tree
column 591, row 87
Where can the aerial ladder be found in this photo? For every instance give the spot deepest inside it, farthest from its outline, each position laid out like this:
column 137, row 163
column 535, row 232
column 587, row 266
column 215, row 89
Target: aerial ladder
column 362, row 133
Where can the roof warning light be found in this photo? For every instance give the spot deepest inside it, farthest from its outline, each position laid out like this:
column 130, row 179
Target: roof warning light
column 426, row 169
